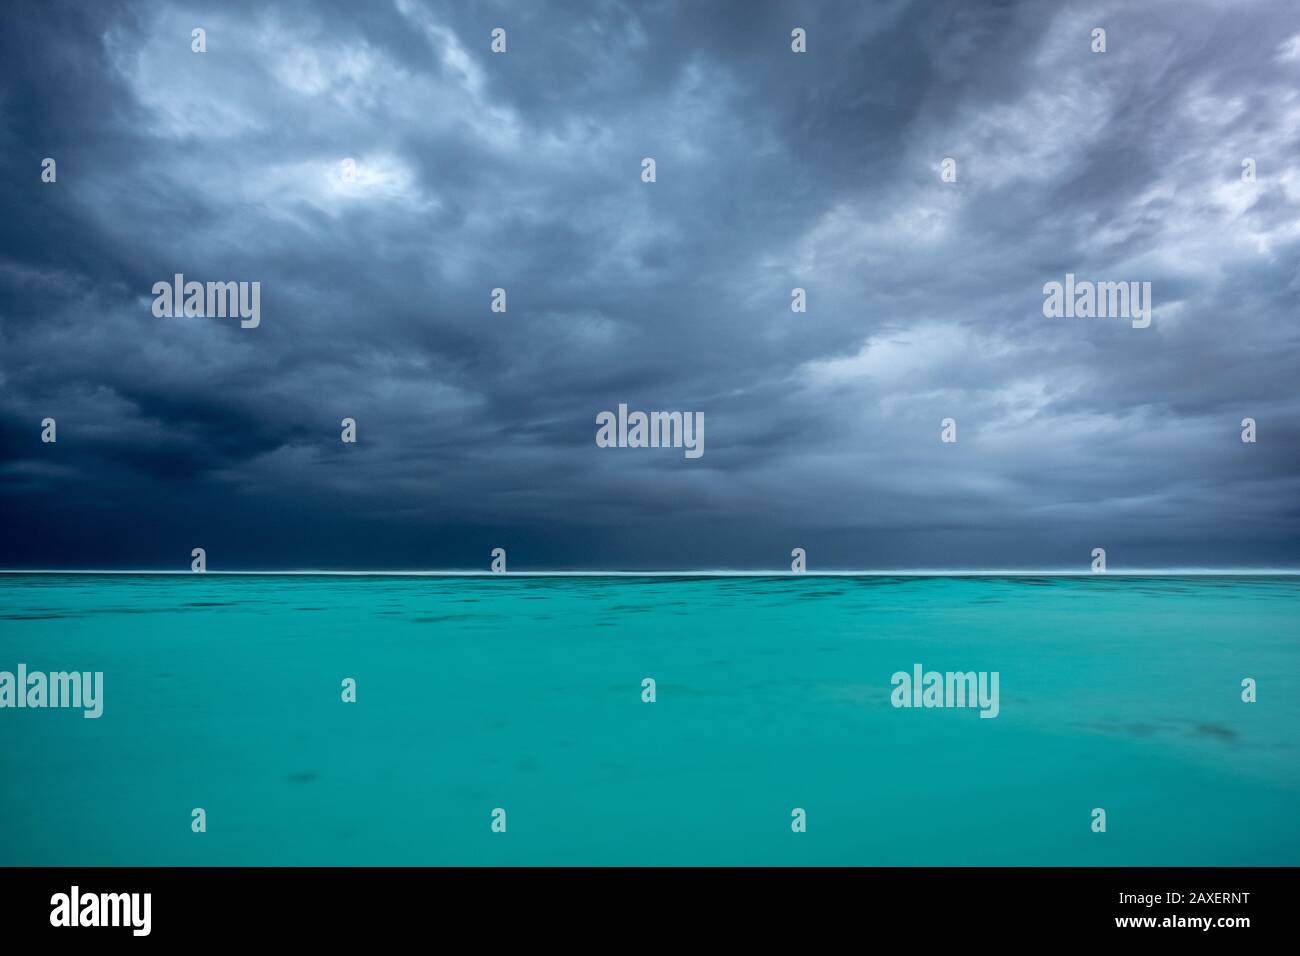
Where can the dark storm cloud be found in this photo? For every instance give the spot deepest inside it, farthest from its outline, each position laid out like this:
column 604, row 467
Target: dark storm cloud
column 775, row 170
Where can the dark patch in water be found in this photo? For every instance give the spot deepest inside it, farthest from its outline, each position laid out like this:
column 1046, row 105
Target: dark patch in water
column 33, row 617
column 1218, row 732
column 304, row 777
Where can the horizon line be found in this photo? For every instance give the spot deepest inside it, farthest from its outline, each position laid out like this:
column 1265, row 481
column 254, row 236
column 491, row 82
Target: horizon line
column 712, row 572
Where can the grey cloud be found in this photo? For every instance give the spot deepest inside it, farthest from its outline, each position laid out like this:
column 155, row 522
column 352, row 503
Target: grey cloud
column 775, row 171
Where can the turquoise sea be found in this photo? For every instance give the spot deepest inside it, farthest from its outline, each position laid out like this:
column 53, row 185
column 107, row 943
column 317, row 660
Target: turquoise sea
column 524, row 693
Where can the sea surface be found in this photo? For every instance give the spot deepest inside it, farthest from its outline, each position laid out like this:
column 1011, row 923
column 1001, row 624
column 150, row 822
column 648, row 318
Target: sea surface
column 773, row 693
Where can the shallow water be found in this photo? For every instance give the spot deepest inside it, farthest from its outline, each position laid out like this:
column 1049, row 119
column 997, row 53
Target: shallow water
column 223, row 692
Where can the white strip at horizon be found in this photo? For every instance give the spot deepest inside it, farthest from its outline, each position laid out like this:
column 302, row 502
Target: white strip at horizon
column 936, row 573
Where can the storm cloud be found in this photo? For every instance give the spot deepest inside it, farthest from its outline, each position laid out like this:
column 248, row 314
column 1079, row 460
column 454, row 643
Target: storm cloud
column 775, row 170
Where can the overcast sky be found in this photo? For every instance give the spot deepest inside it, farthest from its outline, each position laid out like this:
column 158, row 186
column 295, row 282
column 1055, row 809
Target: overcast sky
column 775, row 170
